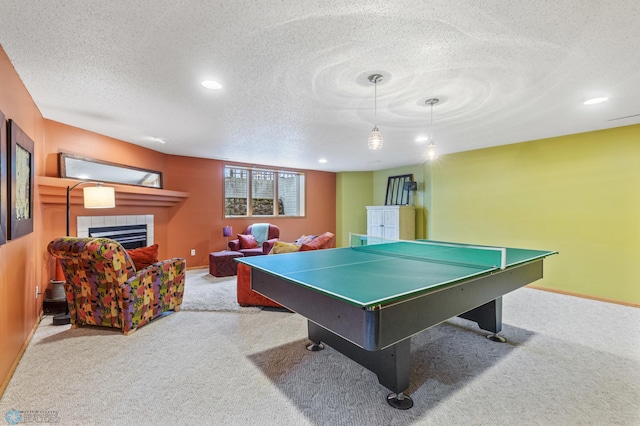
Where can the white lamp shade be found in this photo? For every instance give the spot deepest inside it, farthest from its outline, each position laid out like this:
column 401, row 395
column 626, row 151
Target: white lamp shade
column 99, row 197
column 375, row 139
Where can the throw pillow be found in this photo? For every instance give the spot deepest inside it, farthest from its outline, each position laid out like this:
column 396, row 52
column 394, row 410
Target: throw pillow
column 247, row 241
column 144, row 256
column 323, row 241
column 305, row 239
column 282, row 247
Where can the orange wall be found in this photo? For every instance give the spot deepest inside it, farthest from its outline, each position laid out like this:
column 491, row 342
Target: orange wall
column 195, row 223
column 21, row 260
column 63, row 138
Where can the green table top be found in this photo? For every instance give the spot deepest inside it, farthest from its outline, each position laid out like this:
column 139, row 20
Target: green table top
column 378, row 274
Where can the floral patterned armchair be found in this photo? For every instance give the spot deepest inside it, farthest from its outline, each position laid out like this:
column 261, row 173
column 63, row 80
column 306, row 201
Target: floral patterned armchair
column 103, row 287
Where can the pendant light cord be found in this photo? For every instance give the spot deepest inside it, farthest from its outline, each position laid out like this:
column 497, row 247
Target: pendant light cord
column 375, row 102
column 432, row 102
column 431, row 125
column 375, row 138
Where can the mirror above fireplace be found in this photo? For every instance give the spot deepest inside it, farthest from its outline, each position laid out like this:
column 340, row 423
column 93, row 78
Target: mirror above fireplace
column 83, row 168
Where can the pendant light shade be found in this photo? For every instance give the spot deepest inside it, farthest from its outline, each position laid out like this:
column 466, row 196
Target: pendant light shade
column 432, row 150
column 375, row 138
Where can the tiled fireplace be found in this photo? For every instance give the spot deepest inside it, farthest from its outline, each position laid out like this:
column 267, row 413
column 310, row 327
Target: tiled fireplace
column 131, row 230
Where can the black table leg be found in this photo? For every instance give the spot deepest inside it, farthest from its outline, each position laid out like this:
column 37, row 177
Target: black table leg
column 391, row 364
column 488, row 317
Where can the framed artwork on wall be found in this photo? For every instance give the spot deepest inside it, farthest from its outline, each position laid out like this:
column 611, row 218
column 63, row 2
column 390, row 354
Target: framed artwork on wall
column 397, row 191
column 3, row 179
column 21, row 182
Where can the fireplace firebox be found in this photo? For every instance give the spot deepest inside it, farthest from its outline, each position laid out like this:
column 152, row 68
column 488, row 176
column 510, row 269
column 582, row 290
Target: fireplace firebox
column 129, row 236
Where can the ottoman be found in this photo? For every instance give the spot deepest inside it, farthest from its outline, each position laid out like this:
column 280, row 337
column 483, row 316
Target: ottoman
column 221, row 263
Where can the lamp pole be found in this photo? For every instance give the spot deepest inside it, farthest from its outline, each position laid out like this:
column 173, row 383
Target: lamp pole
column 62, row 319
column 70, row 188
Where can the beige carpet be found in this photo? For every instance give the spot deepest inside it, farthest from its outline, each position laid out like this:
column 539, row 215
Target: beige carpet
column 204, row 292
column 568, row 361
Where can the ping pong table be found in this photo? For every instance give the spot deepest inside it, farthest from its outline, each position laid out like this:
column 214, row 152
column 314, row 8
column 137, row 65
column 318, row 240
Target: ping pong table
column 367, row 300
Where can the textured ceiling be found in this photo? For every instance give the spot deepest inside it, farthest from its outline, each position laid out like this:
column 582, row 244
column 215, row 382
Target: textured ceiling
column 294, row 73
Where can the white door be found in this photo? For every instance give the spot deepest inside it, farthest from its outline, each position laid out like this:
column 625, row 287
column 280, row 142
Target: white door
column 375, row 223
column 390, row 222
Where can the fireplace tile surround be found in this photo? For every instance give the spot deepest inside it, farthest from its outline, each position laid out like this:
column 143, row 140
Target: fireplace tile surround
column 86, row 222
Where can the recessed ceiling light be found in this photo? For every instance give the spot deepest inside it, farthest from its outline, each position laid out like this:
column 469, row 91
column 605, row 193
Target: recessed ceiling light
column 159, row 140
column 322, row 160
column 595, row 101
column 210, row 84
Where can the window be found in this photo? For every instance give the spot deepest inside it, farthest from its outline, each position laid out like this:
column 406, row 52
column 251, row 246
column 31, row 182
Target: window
column 263, row 192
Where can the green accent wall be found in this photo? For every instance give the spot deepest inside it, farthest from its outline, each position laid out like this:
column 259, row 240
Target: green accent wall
column 577, row 194
column 416, row 199
column 354, row 191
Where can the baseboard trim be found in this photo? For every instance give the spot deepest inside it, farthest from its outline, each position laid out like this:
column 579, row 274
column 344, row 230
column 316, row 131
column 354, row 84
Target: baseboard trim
column 7, row 379
column 584, row 296
column 191, row 268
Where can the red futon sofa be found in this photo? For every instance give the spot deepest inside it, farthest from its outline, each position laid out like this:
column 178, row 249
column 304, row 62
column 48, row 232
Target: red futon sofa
column 248, row 297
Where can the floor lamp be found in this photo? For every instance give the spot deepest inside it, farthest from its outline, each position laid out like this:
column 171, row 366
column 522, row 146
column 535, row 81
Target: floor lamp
column 95, row 197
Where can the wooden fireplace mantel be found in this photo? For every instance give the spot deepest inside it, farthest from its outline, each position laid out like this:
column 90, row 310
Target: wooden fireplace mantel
column 53, row 190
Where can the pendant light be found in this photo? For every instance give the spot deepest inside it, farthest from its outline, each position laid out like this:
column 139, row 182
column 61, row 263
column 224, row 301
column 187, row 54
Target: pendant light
column 375, row 139
column 432, row 151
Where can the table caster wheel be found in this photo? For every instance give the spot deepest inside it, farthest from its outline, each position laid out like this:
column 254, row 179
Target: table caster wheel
column 315, row 347
column 400, row 401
